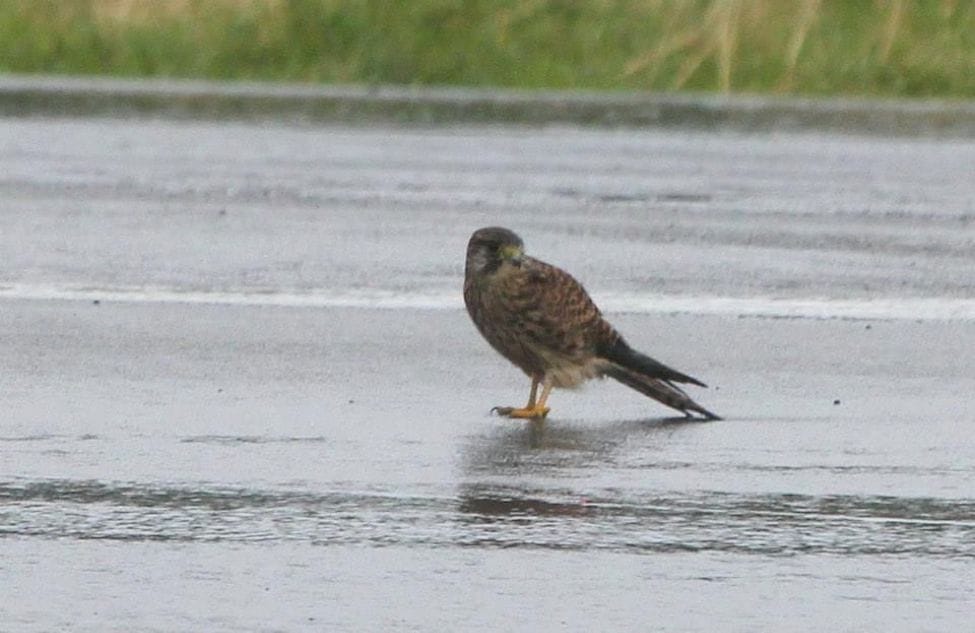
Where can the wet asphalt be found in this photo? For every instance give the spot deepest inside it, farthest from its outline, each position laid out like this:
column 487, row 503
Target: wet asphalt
column 201, row 430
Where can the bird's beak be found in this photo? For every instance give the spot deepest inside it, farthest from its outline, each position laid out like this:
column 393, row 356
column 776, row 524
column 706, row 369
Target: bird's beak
column 512, row 254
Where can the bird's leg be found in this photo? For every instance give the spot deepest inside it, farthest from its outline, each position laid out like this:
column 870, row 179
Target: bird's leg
column 540, row 405
column 531, row 410
column 547, row 389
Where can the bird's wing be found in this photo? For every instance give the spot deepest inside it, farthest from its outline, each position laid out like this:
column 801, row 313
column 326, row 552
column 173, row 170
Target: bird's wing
column 623, row 355
column 556, row 312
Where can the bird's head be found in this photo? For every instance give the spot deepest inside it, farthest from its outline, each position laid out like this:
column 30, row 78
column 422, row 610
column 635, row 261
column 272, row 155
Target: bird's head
column 491, row 248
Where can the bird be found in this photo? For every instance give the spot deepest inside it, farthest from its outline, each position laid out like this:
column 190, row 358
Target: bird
column 542, row 320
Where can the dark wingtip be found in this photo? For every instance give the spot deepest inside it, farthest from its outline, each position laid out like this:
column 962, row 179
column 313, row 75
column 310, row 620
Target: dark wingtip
column 622, row 354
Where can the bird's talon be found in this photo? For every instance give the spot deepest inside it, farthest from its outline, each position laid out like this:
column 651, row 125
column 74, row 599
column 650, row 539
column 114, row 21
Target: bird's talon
column 524, row 413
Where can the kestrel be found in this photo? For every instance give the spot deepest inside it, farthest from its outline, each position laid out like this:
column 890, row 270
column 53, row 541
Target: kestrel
column 541, row 319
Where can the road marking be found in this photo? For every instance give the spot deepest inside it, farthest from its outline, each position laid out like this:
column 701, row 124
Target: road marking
column 885, row 308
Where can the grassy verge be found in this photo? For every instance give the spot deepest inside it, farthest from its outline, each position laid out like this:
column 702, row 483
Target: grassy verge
column 853, row 47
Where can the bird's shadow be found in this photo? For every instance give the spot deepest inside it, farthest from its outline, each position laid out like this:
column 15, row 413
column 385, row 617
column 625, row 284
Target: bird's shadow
column 522, row 471
column 541, row 434
column 545, row 446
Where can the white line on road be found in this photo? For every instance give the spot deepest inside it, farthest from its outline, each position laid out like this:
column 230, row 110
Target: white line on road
column 884, row 308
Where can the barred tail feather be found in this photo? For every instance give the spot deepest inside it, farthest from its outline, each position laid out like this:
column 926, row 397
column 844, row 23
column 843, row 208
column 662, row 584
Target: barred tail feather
column 662, row 391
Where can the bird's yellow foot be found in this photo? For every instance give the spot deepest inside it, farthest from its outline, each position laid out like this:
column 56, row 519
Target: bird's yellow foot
column 525, row 413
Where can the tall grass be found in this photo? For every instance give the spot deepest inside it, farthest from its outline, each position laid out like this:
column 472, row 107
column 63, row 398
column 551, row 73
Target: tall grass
column 868, row 47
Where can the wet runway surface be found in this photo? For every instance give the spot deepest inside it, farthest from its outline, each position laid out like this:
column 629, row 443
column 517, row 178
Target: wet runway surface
column 239, row 392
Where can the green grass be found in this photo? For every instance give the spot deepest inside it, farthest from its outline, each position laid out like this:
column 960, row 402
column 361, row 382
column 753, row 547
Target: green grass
column 820, row 47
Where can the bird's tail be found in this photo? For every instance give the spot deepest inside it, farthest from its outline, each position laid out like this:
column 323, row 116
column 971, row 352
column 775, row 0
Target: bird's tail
column 660, row 390
column 652, row 378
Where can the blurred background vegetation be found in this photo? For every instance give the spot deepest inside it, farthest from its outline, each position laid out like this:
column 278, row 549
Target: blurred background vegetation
column 818, row 47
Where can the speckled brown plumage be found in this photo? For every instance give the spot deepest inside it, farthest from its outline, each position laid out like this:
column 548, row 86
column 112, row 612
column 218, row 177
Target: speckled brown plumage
column 542, row 320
